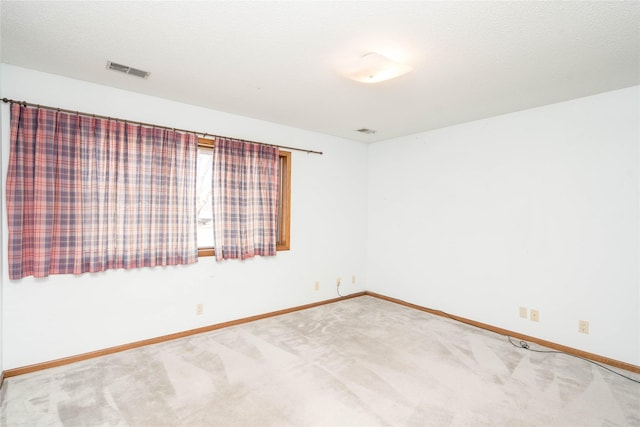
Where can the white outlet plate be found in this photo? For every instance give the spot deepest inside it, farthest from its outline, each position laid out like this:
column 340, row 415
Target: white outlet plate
column 199, row 309
column 583, row 326
column 534, row 315
column 353, row 280
column 523, row 312
column 316, row 286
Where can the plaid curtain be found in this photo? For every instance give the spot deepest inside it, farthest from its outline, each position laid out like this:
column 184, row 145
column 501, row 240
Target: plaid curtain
column 86, row 194
column 245, row 199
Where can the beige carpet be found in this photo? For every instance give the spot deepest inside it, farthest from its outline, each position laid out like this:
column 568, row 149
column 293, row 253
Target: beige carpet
column 358, row 362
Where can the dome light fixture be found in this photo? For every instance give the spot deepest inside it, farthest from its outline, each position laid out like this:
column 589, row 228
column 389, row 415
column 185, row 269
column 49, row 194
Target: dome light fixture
column 373, row 67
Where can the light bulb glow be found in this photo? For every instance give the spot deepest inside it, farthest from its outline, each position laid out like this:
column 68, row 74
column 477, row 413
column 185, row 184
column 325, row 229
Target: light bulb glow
column 373, row 67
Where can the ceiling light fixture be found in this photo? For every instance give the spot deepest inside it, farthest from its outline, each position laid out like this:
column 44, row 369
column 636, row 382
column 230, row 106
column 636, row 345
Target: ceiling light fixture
column 373, row 67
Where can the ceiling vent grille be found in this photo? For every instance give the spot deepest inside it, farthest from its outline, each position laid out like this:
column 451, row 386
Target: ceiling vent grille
column 367, row 131
column 127, row 70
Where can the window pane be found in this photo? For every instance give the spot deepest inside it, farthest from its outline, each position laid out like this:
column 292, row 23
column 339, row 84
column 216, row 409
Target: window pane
column 203, row 198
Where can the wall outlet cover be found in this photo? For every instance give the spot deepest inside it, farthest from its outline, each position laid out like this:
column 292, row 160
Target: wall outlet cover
column 534, row 315
column 583, row 326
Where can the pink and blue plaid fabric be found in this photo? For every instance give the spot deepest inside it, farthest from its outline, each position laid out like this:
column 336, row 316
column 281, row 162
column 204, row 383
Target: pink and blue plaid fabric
column 245, row 199
column 86, row 194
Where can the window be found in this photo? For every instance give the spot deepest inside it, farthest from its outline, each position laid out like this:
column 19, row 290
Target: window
column 204, row 203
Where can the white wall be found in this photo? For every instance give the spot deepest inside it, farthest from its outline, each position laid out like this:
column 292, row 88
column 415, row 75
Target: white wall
column 537, row 208
column 65, row 315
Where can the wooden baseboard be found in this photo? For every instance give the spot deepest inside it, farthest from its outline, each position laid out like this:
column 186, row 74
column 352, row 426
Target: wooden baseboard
column 569, row 350
column 72, row 359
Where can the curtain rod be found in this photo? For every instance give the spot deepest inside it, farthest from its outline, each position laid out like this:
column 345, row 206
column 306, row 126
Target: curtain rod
column 204, row 134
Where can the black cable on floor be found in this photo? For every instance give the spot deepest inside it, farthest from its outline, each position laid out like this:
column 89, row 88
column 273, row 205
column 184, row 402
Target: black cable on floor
column 525, row 345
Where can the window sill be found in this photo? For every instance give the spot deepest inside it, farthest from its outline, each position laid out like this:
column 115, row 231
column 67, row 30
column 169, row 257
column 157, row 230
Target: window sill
column 204, row 252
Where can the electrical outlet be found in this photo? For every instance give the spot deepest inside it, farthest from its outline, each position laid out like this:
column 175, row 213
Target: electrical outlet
column 523, row 312
column 199, row 309
column 338, row 280
column 583, row 326
column 353, row 280
column 316, row 286
column 534, row 315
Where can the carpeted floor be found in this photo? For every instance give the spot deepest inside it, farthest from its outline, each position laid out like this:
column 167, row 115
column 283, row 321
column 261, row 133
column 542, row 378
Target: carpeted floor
column 357, row 362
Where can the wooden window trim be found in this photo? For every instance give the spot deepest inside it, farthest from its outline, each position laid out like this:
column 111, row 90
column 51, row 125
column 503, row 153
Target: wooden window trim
column 284, row 237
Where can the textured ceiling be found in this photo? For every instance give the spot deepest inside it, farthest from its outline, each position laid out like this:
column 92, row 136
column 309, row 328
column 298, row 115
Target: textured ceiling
column 279, row 61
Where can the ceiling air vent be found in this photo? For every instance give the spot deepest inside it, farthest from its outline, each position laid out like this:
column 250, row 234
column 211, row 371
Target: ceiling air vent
column 127, row 70
column 367, row 131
